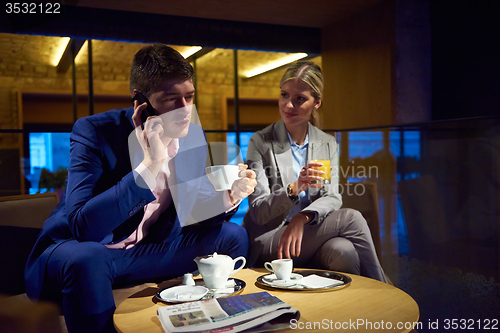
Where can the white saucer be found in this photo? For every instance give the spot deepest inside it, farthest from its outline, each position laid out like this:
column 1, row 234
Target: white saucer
column 180, row 294
column 272, row 280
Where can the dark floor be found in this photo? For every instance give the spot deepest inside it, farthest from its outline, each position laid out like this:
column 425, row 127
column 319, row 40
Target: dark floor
column 449, row 296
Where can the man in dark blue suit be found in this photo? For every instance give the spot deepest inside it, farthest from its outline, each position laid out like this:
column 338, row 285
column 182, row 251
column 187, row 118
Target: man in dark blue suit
column 137, row 206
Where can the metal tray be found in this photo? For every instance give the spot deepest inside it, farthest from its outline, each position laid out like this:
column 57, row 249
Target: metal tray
column 346, row 281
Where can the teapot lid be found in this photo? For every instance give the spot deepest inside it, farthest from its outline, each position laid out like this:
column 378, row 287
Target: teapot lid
column 214, row 257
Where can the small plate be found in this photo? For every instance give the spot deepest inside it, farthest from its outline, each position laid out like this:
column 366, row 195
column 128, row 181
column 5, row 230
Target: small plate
column 272, row 280
column 237, row 289
column 180, row 294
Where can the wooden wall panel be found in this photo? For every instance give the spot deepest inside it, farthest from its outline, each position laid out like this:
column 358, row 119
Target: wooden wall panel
column 358, row 64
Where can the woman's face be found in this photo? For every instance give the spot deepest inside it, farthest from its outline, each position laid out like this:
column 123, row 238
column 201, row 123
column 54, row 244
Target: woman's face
column 296, row 103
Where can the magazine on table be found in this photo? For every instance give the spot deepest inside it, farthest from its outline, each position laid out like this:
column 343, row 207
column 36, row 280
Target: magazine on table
column 257, row 312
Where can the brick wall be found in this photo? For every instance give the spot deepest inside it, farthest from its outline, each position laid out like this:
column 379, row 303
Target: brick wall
column 9, row 118
column 26, row 65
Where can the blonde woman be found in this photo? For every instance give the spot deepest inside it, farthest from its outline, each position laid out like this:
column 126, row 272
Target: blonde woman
column 291, row 216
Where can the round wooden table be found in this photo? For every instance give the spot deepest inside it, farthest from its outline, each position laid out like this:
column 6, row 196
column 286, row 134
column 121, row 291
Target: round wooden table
column 366, row 305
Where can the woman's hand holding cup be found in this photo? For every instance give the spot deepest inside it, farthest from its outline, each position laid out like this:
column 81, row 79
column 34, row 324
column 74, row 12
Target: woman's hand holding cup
column 311, row 175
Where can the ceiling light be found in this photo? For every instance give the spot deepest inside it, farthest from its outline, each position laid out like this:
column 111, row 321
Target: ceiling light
column 275, row 64
column 79, row 56
column 59, row 49
column 190, row 51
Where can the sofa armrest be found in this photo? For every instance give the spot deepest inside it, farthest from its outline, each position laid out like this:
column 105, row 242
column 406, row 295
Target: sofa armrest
column 27, row 211
column 21, row 219
column 22, row 315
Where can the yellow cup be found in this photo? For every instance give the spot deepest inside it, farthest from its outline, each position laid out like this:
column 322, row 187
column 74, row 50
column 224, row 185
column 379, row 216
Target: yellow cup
column 326, row 169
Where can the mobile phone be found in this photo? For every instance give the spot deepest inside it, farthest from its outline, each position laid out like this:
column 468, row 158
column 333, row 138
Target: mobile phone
column 149, row 111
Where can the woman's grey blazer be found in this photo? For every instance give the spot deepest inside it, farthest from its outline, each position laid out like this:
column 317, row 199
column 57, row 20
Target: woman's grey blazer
column 270, row 156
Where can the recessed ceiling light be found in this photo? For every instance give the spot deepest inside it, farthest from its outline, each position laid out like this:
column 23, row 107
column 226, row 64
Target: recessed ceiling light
column 190, row 51
column 59, row 49
column 79, row 57
column 275, row 64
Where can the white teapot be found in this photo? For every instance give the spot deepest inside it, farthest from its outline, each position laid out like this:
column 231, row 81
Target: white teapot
column 215, row 269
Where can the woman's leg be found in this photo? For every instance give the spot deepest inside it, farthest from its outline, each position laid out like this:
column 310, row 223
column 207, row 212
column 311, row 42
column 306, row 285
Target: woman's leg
column 337, row 254
column 351, row 225
column 346, row 223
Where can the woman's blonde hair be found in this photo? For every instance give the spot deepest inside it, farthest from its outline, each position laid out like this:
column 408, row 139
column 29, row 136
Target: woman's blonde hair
column 311, row 74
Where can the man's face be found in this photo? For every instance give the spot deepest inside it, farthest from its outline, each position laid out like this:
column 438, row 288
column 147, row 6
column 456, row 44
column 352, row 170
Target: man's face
column 174, row 103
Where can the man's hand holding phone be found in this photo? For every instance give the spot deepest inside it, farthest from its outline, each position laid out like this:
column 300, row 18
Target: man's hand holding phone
column 149, row 130
column 149, row 111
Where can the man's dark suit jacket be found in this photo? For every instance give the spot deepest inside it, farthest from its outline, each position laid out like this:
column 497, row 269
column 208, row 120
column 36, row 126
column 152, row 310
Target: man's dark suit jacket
column 103, row 203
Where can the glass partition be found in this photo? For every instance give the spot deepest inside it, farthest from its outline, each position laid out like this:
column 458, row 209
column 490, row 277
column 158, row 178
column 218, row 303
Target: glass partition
column 438, row 199
column 48, row 161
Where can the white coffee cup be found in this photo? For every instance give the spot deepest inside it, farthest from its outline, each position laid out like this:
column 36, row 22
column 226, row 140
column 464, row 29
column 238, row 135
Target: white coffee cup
column 222, row 177
column 282, row 268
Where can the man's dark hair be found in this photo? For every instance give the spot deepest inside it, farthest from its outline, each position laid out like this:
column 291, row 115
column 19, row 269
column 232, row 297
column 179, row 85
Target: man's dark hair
column 154, row 64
